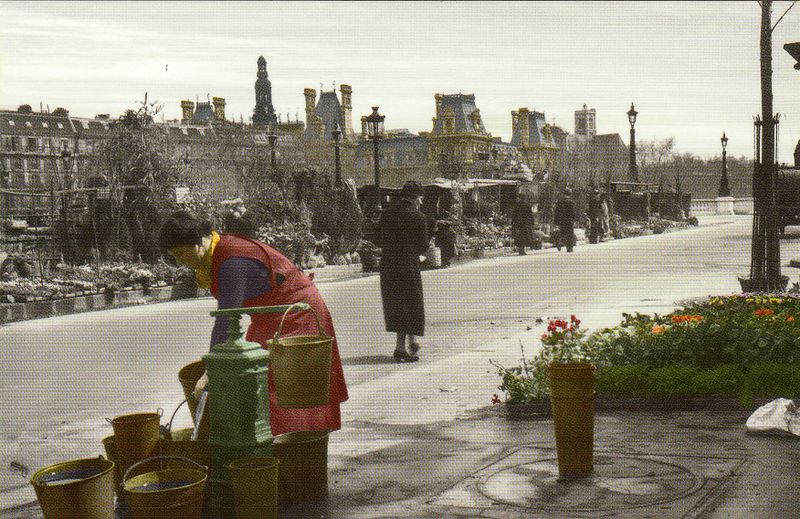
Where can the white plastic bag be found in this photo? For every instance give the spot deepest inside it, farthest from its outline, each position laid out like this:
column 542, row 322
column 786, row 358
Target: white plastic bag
column 781, row 416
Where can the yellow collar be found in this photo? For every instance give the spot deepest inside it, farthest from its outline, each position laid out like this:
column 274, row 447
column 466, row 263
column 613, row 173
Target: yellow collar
column 203, row 272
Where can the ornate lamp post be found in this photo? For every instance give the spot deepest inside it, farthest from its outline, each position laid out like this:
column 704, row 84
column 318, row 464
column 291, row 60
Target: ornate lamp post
column 272, row 140
column 375, row 132
column 633, row 171
column 338, row 167
column 724, row 190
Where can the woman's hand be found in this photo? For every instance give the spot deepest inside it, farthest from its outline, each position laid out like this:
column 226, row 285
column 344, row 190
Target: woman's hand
column 200, row 386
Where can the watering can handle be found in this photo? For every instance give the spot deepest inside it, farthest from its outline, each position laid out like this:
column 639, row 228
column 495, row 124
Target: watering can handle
column 276, row 338
column 180, row 458
column 169, row 427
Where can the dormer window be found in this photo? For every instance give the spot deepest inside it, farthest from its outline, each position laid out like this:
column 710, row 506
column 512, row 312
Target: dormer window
column 60, row 126
column 184, row 131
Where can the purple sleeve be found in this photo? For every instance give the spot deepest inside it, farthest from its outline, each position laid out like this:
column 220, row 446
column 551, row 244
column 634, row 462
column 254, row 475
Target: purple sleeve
column 238, row 280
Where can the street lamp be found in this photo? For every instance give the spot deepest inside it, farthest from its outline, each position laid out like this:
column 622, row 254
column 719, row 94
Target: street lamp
column 375, row 132
column 724, row 190
column 272, row 140
column 633, row 171
column 338, row 168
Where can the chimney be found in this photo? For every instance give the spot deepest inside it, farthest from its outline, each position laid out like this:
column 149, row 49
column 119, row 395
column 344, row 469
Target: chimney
column 219, row 108
column 311, row 97
column 438, row 98
column 347, row 112
column 364, row 127
column 524, row 127
column 188, row 109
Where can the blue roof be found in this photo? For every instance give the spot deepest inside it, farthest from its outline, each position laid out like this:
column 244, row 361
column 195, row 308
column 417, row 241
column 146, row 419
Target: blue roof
column 462, row 105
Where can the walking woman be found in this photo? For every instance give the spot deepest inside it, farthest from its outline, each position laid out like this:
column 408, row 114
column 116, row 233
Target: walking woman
column 244, row 272
column 402, row 235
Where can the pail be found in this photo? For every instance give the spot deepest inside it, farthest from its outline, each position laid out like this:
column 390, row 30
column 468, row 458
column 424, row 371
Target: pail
column 303, row 469
column 301, row 367
column 255, row 487
column 178, row 442
column 572, row 402
column 167, row 493
column 136, row 437
column 188, row 377
column 78, row 489
column 110, row 446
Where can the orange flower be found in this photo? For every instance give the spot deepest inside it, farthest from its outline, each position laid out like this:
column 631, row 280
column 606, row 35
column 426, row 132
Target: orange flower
column 658, row 329
column 763, row 312
column 790, row 319
column 686, row 318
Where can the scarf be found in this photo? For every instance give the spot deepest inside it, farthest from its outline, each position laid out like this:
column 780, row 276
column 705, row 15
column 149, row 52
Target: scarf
column 203, row 273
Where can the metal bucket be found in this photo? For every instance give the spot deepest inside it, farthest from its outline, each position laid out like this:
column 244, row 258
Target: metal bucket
column 255, row 487
column 78, row 489
column 303, row 469
column 188, row 377
column 301, row 367
column 136, row 437
column 178, row 442
column 110, row 446
column 166, row 493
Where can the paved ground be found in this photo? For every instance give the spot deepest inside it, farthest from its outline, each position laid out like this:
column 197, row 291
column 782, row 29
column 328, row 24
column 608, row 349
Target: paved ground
column 420, row 440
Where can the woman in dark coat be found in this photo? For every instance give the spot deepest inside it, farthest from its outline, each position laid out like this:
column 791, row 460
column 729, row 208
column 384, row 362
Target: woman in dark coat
column 522, row 221
column 402, row 235
column 564, row 216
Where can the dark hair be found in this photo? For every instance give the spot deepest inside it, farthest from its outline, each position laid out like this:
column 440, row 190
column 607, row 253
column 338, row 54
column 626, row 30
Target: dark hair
column 242, row 224
column 183, row 228
column 411, row 189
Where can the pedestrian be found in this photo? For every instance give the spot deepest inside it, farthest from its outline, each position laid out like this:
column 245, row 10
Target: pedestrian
column 244, row 272
column 445, row 239
column 522, row 222
column 403, row 236
column 564, row 218
column 595, row 216
column 605, row 210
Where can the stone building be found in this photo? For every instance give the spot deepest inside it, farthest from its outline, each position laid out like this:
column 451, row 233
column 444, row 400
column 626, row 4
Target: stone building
column 328, row 113
column 264, row 112
column 534, row 138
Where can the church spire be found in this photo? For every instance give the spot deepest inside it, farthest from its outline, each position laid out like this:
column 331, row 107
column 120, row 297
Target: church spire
column 264, row 112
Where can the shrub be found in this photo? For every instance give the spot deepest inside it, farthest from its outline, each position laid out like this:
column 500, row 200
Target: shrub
column 772, row 379
column 675, row 380
column 725, row 379
column 622, row 380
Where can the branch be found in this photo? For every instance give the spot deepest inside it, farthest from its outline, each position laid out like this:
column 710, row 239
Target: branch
column 784, row 14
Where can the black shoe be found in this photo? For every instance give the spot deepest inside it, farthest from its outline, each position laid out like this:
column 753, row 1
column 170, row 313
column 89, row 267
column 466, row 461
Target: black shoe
column 402, row 356
column 413, row 348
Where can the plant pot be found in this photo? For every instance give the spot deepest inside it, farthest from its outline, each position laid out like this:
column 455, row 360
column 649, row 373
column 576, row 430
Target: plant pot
column 572, row 402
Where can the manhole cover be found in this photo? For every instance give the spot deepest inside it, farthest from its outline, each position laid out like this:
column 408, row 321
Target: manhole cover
column 618, row 482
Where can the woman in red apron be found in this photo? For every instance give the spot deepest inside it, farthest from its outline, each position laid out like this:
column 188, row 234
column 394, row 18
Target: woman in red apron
column 243, row 272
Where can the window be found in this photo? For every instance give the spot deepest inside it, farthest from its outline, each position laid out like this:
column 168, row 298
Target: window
column 33, row 164
column 65, row 144
column 15, row 144
column 33, row 144
column 18, row 166
column 10, row 122
column 60, row 126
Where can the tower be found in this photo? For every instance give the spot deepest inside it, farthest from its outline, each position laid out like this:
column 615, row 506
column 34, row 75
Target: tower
column 347, row 112
column 187, row 108
column 264, row 113
column 585, row 122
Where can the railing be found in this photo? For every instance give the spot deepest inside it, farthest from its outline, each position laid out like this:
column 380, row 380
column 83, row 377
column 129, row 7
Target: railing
column 706, row 206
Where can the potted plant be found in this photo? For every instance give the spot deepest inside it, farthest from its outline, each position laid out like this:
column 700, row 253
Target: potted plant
column 571, row 382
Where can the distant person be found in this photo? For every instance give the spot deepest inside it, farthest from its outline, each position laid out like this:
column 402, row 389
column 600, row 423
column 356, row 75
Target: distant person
column 402, row 234
column 522, row 222
column 595, row 217
column 446, row 241
column 605, row 212
column 564, row 218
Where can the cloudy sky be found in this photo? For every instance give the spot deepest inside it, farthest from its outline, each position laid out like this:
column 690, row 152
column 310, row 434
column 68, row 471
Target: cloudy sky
column 692, row 68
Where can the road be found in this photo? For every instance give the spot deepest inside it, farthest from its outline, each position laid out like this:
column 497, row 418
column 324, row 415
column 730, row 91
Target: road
column 61, row 377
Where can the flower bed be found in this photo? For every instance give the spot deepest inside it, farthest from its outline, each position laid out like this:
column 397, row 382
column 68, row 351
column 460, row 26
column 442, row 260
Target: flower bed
column 70, row 280
column 741, row 345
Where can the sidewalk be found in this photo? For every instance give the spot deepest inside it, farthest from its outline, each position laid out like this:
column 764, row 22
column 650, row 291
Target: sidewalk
column 424, row 442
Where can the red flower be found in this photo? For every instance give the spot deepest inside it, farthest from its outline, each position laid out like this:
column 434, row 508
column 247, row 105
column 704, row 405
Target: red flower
column 496, row 400
column 573, row 318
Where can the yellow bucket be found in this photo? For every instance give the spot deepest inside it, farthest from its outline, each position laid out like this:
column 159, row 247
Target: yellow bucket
column 179, row 443
column 572, row 402
column 255, row 487
column 303, row 469
column 110, row 446
column 301, row 367
column 188, row 377
column 78, row 489
column 167, row 493
column 136, row 437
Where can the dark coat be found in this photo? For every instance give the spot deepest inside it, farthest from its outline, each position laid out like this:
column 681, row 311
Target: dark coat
column 522, row 222
column 564, row 217
column 402, row 235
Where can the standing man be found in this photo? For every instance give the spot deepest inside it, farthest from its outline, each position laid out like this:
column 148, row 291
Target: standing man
column 595, row 217
column 522, row 222
column 402, row 234
column 564, row 217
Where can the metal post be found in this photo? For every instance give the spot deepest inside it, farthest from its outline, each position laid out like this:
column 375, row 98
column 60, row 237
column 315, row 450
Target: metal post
column 633, row 170
column 377, row 170
column 338, row 166
column 724, row 189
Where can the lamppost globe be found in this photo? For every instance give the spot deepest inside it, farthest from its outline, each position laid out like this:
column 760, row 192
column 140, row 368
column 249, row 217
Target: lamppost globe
column 723, row 140
column 632, row 113
column 375, row 132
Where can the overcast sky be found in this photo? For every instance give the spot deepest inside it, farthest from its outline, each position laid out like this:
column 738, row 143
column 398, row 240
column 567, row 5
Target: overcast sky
column 692, row 68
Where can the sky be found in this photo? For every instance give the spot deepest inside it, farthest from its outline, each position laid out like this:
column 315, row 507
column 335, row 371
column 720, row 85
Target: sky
column 691, row 68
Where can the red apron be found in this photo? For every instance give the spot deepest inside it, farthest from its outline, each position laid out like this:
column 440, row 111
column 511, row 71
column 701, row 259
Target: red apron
column 294, row 288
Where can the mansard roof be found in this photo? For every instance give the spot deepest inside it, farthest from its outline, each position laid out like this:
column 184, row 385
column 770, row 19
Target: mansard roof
column 328, row 109
column 203, row 113
column 536, row 124
column 35, row 124
column 462, row 106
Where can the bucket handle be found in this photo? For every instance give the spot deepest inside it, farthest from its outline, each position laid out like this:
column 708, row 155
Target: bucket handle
column 277, row 336
column 167, row 428
column 146, row 460
column 159, row 411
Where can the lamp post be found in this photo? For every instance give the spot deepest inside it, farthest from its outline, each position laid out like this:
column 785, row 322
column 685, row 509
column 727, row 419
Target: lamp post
column 375, row 132
column 272, row 140
column 338, row 166
column 724, row 189
column 633, row 171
